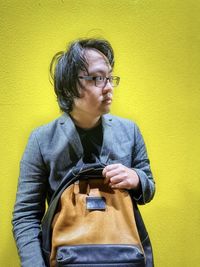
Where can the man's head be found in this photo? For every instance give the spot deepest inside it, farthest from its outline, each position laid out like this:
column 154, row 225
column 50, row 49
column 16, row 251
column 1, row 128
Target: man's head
column 69, row 69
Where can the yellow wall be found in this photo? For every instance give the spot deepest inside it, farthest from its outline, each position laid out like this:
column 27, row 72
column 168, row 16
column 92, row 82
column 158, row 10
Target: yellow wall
column 157, row 56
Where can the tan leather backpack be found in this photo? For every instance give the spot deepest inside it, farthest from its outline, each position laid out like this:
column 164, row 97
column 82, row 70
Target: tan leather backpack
column 89, row 224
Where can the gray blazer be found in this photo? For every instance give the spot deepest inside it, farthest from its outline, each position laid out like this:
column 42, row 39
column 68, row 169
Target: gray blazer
column 52, row 150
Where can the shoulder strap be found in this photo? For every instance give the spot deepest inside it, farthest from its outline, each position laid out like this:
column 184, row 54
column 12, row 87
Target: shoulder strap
column 144, row 237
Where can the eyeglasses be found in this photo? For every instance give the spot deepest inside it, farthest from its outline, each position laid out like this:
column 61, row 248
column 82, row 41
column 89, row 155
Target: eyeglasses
column 101, row 81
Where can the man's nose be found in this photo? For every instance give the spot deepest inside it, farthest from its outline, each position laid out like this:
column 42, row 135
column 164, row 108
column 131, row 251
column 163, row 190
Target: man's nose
column 108, row 87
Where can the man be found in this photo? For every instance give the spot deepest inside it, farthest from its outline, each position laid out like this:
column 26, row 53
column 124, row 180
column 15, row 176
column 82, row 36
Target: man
column 84, row 85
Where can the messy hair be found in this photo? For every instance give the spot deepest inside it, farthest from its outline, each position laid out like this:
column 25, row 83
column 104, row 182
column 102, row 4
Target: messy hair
column 66, row 65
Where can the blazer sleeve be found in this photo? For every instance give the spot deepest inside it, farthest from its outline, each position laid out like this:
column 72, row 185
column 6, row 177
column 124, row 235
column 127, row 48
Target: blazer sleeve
column 141, row 165
column 30, row 205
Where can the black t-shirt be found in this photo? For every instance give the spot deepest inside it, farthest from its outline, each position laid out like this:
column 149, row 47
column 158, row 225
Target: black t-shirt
column 91, row 140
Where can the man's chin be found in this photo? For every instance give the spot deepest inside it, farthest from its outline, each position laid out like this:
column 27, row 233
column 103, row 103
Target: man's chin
column 106, row 110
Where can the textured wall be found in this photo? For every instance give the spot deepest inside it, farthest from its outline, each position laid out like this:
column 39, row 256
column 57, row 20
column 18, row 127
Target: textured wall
column 157, row 56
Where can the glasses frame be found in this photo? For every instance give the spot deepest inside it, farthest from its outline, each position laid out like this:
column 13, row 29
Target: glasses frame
column 105, row 80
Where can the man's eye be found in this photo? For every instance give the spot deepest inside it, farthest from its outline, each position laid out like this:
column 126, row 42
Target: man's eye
column 99, row 78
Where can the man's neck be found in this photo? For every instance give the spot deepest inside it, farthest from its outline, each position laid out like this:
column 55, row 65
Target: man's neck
column 84, row 121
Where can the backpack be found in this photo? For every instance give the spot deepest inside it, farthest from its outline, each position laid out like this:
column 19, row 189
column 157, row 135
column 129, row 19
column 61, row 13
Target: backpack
column 88, row 224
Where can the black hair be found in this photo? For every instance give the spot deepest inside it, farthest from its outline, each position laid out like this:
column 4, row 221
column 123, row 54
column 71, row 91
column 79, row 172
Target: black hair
column 66, row 65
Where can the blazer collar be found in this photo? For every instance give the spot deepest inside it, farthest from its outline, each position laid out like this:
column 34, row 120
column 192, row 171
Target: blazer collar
column 73, row 136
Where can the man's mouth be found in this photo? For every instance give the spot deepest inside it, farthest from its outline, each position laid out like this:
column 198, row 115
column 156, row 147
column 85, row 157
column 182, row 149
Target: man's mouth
column 108, row 98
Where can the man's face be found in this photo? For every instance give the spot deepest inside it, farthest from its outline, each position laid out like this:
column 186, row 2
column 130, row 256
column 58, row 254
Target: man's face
column 94, row 101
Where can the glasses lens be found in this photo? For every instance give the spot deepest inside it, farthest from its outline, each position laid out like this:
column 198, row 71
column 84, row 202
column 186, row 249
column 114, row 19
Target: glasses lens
column 115, row 81
column 101, row 81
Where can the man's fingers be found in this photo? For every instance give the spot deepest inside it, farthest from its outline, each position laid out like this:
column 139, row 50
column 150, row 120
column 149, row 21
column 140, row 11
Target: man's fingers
column 120, row 185
column 110, row 171
column 110, row 168
column 119, row 176
column 116, row 179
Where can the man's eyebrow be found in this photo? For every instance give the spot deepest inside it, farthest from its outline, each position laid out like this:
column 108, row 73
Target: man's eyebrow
column 99, row 71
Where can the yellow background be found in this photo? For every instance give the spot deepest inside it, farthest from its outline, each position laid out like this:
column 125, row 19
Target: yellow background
column 156, row 43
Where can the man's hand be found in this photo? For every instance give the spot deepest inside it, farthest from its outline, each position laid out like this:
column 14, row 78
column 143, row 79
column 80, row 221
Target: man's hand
column 121, row 177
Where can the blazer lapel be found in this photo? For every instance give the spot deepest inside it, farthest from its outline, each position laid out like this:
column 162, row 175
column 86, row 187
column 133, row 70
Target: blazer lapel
column 71, row 134
column 107, row 145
